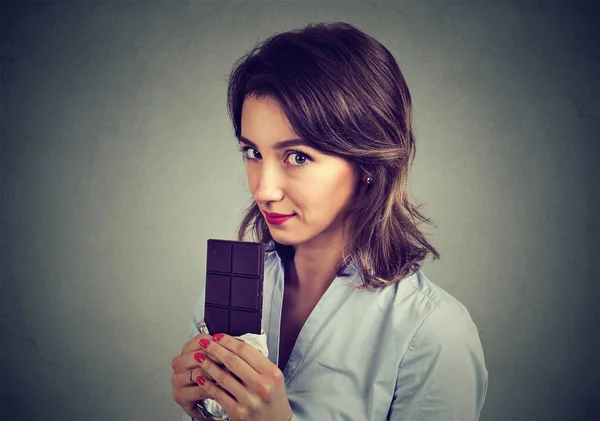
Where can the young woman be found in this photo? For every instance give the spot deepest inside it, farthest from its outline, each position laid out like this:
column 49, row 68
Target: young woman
column 355, row 330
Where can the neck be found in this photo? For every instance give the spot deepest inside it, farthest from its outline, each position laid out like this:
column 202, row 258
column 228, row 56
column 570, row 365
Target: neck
column 314, row 266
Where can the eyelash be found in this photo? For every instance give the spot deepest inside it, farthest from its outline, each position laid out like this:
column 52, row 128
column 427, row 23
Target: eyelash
column 244, row 149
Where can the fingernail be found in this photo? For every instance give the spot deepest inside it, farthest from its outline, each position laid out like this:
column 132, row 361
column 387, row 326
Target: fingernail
column 200, row 380
column 218, row 336
column 204, row 343
column 199, row 357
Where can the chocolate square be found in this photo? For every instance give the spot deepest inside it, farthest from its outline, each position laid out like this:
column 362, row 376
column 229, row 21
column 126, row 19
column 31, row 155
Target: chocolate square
column 244, row 292
column 218, row 257
column 241, row 322
column 246, row 259
column 217, row 289
column 216, row 319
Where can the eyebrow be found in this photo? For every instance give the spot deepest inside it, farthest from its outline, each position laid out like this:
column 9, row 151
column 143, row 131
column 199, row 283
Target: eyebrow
column 279, row 145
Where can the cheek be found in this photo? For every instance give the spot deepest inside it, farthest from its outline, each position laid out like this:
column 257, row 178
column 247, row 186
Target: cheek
column 331, row 196
column 251, row 179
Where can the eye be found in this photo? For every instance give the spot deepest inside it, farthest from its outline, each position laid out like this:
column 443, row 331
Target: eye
column 297, row 159
column 245, row 151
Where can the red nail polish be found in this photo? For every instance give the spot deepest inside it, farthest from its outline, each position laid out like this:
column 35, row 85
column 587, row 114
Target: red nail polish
column 218, row 336
column 204, row 343
column 200, row 380
column 199, row 357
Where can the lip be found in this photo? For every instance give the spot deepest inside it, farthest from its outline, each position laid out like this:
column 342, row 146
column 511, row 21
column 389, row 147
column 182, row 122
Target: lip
column 277, row 215
column 277, row 218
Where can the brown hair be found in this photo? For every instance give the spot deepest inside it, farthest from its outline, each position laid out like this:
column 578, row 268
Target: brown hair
column 344, row 94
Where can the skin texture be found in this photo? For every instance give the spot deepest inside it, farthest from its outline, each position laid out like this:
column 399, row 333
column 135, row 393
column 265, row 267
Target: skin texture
column 185, row 393
column 293, row 179
column 235, row 374
column 314, row 186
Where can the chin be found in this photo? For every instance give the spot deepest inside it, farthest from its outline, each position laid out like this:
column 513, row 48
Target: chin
column 288, row 239
column 284, row 240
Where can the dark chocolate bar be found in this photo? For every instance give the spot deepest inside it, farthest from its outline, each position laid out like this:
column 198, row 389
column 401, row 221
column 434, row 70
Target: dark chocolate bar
column 234, row 287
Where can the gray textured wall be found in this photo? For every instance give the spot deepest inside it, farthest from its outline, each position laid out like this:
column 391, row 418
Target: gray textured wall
column 118, row 162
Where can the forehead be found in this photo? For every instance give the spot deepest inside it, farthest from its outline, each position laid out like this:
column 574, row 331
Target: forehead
column 263, row 121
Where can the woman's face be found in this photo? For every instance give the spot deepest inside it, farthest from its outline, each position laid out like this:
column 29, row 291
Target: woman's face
column 285, row 176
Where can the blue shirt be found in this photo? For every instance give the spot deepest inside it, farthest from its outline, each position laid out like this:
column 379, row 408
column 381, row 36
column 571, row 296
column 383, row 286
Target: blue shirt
column 407, row 352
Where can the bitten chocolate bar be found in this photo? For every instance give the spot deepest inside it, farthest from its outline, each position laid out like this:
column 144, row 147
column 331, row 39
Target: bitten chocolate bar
column 234, row 287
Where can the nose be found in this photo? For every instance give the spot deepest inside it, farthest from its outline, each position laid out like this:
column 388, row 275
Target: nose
column 266, row 185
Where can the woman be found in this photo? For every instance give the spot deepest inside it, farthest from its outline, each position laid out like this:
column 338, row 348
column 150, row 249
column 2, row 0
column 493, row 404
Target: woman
column 354, row 328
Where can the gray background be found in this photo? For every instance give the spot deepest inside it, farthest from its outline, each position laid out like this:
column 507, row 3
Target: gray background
column 119, row 162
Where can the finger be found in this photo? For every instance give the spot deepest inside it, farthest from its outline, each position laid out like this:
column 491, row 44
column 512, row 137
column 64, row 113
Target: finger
column 252, row 356
column 185, row 362
column 203, row 352
column 187, row 397
column 212, row 389
column 225, row 380
column 198, row 357
column 232, row 361
column 192, row 344
column 188, row 378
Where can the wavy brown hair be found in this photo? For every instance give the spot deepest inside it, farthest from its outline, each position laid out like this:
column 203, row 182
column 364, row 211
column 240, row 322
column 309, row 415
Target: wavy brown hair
column 344, row 94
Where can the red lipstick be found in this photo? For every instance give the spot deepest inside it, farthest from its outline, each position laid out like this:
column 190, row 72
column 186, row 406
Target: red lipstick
column 276, row 218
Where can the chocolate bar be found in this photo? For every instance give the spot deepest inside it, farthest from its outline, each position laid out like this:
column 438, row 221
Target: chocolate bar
column 234, row 287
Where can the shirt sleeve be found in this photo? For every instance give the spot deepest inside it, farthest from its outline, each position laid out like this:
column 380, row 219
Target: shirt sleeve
column 442, row 375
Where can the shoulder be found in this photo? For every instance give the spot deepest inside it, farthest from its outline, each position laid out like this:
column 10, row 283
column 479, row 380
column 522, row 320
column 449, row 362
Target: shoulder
column 444, row 319
column 429, row 321
column 443, row 310
column 442, row 370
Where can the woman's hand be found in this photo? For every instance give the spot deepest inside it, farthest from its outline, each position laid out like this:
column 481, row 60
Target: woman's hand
column 186, row 391
column 250, row 388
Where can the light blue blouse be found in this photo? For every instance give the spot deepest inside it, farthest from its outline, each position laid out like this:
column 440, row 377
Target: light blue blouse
column 408, row 352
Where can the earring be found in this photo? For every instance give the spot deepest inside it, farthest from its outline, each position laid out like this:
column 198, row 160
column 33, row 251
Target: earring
column 369, row 180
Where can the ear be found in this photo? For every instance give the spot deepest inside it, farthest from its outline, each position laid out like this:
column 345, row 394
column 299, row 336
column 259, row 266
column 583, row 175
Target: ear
column 360, row 173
